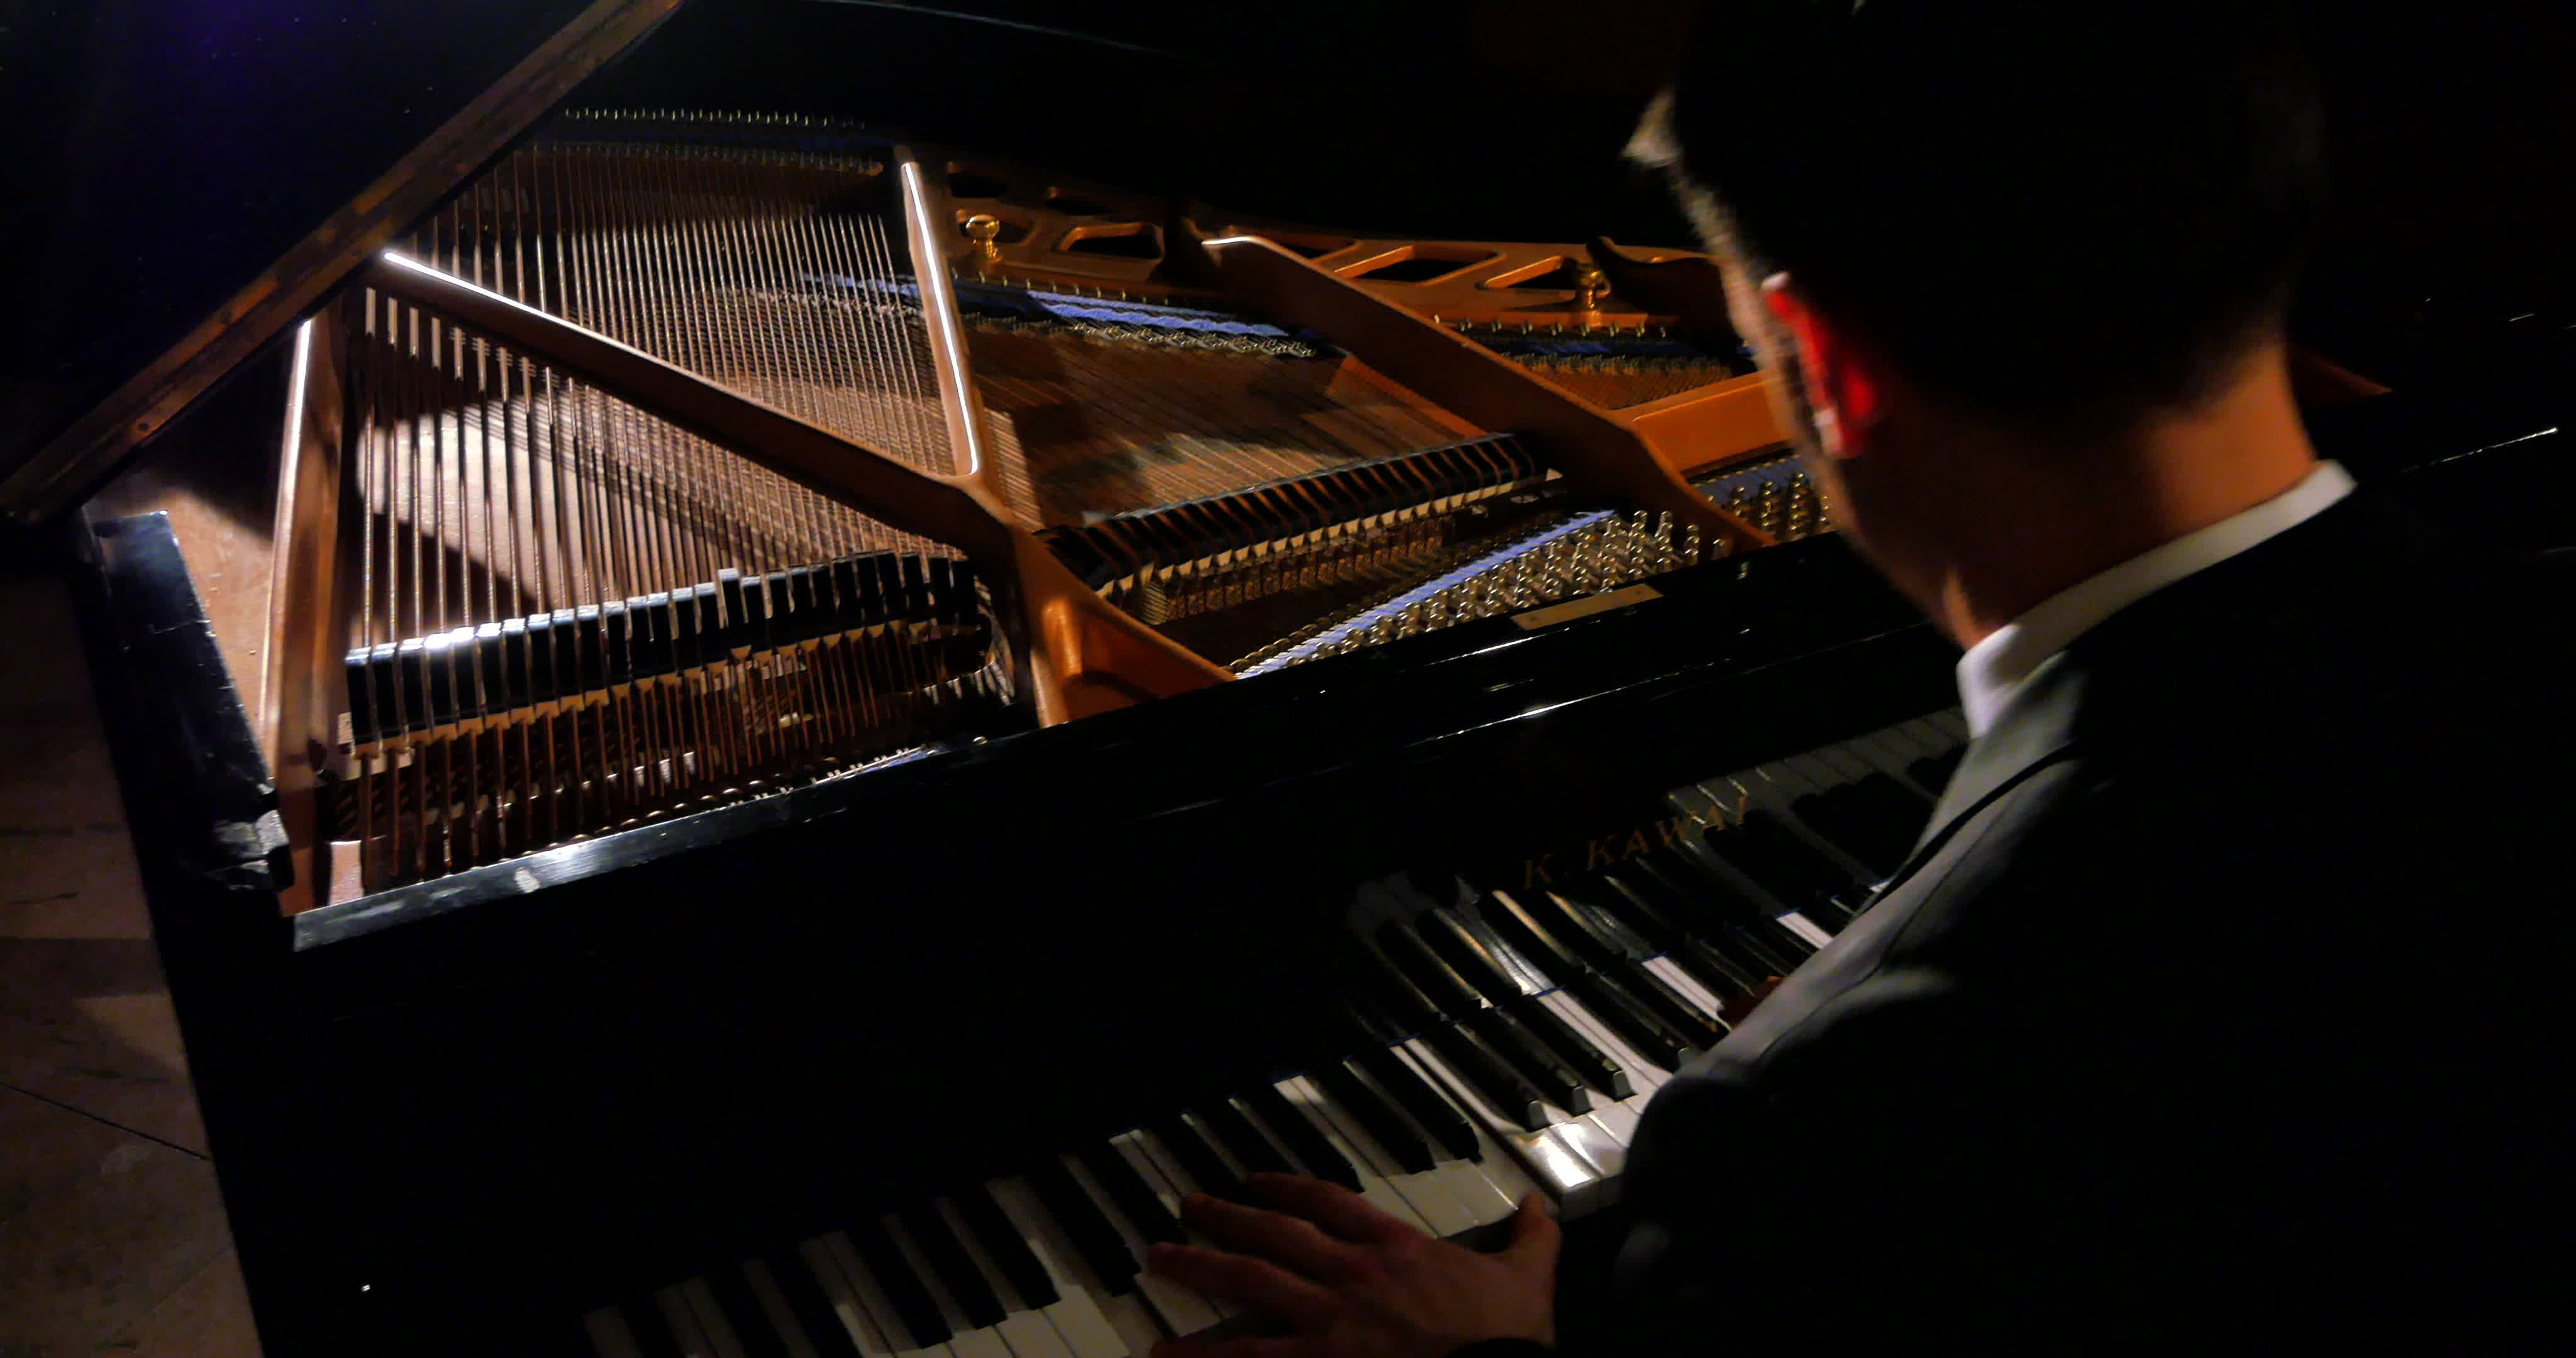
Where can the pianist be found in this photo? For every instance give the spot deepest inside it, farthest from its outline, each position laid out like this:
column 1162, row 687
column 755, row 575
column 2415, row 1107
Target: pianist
column 2209, row 1012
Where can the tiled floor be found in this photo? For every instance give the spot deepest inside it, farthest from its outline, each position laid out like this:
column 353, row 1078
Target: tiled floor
column 112, row 1236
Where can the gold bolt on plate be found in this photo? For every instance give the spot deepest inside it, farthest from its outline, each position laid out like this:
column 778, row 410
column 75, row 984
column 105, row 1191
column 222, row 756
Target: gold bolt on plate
column 984, row 229
column 1590, row 286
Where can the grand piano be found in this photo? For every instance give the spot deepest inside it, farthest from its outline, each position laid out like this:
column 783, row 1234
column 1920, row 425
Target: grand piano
column 808, row 657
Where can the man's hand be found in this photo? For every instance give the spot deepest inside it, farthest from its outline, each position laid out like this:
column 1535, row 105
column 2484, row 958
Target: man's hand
column 1346, row 1279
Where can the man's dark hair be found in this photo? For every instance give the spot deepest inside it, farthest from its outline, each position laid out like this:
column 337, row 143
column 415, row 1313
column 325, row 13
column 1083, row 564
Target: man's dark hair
column 2064, row 213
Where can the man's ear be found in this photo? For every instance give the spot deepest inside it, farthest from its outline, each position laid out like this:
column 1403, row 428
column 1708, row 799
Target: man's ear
column 1843, row 390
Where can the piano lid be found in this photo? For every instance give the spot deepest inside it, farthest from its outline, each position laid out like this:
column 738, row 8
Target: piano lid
column 200, row 174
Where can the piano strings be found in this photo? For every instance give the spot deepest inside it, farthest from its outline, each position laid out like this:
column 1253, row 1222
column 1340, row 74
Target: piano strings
column 495, row 493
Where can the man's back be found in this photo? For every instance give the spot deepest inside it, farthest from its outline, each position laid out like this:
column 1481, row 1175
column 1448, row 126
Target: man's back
column 2214, row 1000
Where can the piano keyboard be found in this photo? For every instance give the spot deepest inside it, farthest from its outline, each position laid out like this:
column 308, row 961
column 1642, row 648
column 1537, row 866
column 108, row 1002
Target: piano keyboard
column 1498, row 1042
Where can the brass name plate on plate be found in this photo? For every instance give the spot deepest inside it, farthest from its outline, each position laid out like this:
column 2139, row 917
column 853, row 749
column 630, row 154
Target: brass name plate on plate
column 1571, row 609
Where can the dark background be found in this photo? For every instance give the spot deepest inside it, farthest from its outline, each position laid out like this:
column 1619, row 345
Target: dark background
column 167, row 150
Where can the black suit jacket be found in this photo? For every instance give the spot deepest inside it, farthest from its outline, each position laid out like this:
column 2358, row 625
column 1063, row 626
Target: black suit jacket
column 2216, row 1008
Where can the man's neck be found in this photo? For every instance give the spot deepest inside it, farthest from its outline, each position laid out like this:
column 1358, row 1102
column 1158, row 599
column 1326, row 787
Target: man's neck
column 2049, row 530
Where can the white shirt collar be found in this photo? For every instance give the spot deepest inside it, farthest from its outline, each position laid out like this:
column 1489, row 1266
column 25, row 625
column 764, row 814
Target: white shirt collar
column 1994, row 669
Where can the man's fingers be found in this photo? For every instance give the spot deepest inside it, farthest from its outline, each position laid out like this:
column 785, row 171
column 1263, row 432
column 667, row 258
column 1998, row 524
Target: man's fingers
column 1268, row 1235
column 1255, row 1283
column 1344, row 1215
column 1535, row 1236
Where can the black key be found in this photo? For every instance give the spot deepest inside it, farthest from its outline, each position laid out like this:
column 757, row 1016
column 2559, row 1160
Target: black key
column 1632, row 1019
column 1471, row 956
column 1002, row 1244
column 1643, row 914
column 1703, row 1029
column 1514, row 924
column 743, row 1313
column 1363, row 1025
column 1772, row 939
column 1608, row 985
column 1134, row 1198
column 1568, row 920
column 1690, row 893
column 1737, row 926
column 1447, row 991
column 1395, row 995
column 1533, row 1059
column 1343, row 1085
column 1289, row 1124
column 1831, row 913
column 903, row 1291
column 1198, row 1159
column 652, row 1330
column 1094, row 1238
column 1460, row 1002
column 1749, row 955
column 1548, row 916
column 1932, row 772
column 1475, row 1059
column 807, row 1302
column 957, row 1272
column 1438, row 1116
column 1592, row 1063
column 1251, row 1149
column 1726, row 974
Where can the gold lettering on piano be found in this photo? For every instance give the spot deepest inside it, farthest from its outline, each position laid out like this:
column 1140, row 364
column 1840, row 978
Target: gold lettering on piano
column 1618, row 846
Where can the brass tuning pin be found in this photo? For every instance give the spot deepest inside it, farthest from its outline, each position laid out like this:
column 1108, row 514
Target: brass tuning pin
column 984, row 229
column 1590, row 286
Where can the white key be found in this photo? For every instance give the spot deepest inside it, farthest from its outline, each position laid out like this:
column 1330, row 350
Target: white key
column 824, row 1263
column 1607, row 1154
column 1468, row 1183
column 1374, row 1189
column 1182, row 1310
column 1216, row 1146
column 683, row 1320
column 1644, row 1074
column 1026, row 1331
column 871, row 1297
column 1553, row 1159
column 1501, row 1173
column 1151, row 1166
column 1687, row 987
column 1648, row 1076
column 773, row 1305
column 1806, row 928
column 711, row 1319
column 1027, row 1334
column 609, row 1335
column 1094, row 1322
column 1163, row 1175
column 965, row 1339
column 1617, row 1117
column 1427, row 1192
